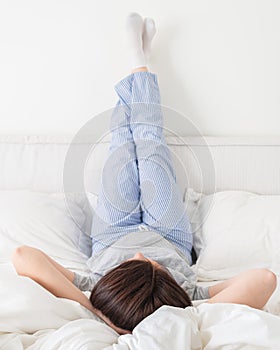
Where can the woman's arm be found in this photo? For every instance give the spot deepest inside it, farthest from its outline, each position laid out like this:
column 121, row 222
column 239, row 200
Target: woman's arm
column 252, row 288
column 33, row 263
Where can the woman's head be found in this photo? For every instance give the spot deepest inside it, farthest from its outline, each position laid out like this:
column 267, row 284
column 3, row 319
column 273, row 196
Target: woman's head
column 135, row 289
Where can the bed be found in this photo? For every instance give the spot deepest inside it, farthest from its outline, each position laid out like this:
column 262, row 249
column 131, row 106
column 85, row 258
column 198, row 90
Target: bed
column 231, row 189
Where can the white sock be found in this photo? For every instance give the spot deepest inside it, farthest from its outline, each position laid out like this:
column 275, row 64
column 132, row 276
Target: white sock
column 149, row 31
column 134, row 28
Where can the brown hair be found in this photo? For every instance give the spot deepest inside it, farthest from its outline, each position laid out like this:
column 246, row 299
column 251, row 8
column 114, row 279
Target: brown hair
column 135, row 289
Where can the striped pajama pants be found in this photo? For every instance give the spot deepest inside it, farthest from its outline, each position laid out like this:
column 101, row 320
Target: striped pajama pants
column 138, row 185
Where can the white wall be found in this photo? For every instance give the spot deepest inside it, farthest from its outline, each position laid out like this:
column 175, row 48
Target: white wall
column 217, row 61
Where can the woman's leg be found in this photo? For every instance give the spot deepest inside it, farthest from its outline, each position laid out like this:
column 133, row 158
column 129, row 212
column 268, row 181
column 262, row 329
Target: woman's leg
column 118, row 209
column 161, row 200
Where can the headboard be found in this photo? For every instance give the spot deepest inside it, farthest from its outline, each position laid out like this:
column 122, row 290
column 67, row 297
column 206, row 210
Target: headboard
column 205, row 164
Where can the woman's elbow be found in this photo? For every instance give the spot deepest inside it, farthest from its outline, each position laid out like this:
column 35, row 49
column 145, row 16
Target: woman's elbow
column 269, row 279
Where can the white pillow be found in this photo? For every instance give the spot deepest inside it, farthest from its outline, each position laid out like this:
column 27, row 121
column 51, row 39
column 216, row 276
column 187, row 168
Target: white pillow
column 47, row 221
column 234, row 231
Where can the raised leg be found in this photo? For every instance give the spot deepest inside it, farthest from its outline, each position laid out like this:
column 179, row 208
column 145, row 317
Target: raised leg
column 161, row 200
column 118, row 210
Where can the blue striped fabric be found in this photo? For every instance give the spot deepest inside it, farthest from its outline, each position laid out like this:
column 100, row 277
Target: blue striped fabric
column 138, row 185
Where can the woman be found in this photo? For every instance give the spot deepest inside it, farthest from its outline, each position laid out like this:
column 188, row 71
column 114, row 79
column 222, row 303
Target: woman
column 142, row 241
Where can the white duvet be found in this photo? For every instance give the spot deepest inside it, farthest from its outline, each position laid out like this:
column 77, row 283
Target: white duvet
column 32, row 318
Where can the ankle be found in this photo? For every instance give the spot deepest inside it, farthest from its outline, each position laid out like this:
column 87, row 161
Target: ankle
column 140, row 69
